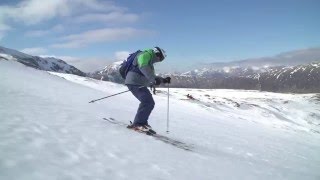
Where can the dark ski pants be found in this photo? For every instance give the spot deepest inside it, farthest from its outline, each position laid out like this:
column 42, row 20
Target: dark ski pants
column 146, row 104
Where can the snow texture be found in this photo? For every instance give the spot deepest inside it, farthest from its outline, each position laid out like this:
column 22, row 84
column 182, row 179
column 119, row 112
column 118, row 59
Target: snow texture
column 49, row 131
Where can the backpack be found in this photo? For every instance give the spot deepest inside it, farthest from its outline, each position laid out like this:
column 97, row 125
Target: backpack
column 126, row 65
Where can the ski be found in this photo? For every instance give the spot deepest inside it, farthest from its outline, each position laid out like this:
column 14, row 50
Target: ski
column 113, row 121
column 165, row 139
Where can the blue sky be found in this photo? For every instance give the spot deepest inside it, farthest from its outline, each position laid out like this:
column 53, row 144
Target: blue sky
column 91, row 33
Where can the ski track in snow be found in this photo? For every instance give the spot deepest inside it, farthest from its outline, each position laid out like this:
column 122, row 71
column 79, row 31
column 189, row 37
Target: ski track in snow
column 49, row 131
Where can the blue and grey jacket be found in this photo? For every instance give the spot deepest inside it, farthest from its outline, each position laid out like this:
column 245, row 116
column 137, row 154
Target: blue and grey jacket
column 142, row 73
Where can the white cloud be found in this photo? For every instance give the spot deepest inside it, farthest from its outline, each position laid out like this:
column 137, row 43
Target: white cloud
column 35, row 51
column 3, row 26
column 37, row 33
column 32, row 12
column 1, row 35
column 113, row 17
column 84, row 64
column 58, row 28
column 121, row 55
column 3, row 30
column 41, row 33
column 100, row 35
column 35, row 11
column 91, row 64
column 96, row 5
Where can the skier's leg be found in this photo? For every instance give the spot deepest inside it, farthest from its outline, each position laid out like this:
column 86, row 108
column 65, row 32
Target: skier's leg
column 146, row 104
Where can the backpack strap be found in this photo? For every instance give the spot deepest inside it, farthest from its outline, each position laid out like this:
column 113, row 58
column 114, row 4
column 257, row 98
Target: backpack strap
column 135, row 68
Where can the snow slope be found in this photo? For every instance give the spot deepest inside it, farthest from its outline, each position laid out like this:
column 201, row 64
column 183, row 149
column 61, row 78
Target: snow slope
column 49, row 131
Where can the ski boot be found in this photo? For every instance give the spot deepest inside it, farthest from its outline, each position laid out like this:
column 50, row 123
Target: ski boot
column 142, row 128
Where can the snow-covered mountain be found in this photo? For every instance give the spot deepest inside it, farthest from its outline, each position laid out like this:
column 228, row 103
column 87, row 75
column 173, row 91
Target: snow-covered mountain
column 291, row 58
column 50, row 131
column 109, row 73
column 223, row 72
column 301, row 67
column 297, row 79
column 301, row 78
column 47, row 64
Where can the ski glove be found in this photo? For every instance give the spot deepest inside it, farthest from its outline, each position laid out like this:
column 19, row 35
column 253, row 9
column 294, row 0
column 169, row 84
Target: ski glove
column 167, row 80
column 158, row 81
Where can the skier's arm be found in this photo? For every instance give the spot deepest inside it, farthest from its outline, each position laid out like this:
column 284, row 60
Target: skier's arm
column 145, row 66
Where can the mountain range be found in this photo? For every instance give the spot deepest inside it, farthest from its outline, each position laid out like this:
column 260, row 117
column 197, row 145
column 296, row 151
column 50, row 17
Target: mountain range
column 291, row 72
column 291, row 58
column 277, row 77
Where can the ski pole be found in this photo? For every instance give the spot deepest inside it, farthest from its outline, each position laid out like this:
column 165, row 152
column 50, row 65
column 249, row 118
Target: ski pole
column 108, row 96
column 112, row 95
column 153, row 89
column 168, row 110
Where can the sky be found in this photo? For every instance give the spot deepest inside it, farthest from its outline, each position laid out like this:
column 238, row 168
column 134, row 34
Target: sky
column 93, row 33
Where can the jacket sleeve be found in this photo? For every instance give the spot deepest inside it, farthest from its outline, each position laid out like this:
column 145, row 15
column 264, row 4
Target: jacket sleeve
column 145, row 66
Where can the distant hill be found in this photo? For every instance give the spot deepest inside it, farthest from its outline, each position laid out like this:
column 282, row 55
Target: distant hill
column 47, row 64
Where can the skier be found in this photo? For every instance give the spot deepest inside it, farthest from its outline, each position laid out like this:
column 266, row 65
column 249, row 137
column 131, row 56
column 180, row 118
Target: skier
column 138, row 79
column 190, row 97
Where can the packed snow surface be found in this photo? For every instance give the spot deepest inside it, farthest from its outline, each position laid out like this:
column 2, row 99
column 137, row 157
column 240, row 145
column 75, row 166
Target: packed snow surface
column 49, row 131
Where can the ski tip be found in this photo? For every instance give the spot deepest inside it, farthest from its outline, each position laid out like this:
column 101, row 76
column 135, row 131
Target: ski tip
column 151, row 131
